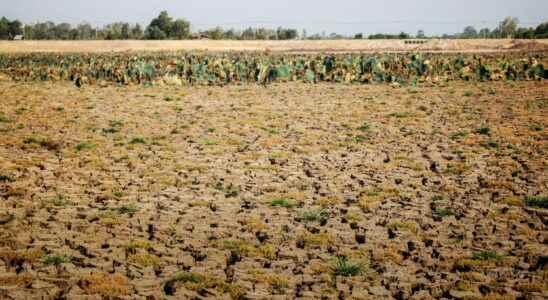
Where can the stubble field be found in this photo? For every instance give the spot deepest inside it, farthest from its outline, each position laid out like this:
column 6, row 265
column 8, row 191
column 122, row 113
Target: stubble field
column 302, row 46
column 292, row 190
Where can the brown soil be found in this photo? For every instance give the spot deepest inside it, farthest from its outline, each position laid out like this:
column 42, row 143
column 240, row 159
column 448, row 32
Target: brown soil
column 434, row 45
column 209, row 192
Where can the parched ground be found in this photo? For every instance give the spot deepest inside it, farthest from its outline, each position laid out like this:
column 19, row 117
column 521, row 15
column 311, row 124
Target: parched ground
column 290, row 191
column 432, row 45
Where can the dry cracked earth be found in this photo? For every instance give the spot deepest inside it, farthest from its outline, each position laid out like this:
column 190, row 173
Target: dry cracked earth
column 287, row 191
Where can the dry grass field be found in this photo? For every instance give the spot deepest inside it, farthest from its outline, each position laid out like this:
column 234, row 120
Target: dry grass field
column 335, row 191
column 435, row 45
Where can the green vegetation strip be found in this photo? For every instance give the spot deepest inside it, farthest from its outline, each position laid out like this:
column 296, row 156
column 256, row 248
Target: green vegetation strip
column 258, row 67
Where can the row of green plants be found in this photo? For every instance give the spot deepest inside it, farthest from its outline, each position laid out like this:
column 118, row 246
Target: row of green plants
column 259, row 67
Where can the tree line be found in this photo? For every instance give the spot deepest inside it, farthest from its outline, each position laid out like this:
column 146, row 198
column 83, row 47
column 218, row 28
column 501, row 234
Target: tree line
column 165, row 27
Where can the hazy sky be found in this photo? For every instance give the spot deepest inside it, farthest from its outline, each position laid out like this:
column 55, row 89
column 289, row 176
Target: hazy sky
column 342, row 16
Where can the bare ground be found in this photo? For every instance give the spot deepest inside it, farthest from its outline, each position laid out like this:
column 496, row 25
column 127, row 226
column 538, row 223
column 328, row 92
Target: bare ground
column 172, row 192
column 434, row 45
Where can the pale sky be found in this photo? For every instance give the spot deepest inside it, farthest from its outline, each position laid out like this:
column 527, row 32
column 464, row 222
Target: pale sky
column 341, row 16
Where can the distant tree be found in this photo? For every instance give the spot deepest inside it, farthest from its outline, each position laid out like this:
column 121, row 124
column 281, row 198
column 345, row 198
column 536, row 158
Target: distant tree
column 4, row 28
column 248, row 34
column 508, row 26
column 137, row 32
column 180, row 29
column 542, row 31
column 315, row 36
column 261, row 34
column 15, row 28
column 216, row 33
column 155, row 33
column 484, row 33
column 85, row 31
column 420, row 34
column 28, row 32
column 469, row 32
column 403, row 35
column 358, row 36
column 62, row 31
column 525, row 33
column 303, row 34
column 9, row 29
column 125, row 31
column 231, row 34
column 163, row 22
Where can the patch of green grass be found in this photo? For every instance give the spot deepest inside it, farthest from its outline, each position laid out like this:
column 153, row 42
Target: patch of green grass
column 437, row 198
column 359, row 138
column 319, row 215
column 344, row 267
column 537, row 201
column 46, row 143
column 137, row 140
column 492, row 144
column 458, row 135
column 468, row 94
column 127, row 209
column 191, row 277
column 4, row 119
column 208, row 142
column 404, row 114
column 487, row 255
column 59, row 201
column 55, row 259
column 5, row 178
column 211, row 130
column 270, row 130
column 84, row 146
column 483, row 130
column 168, row 99
column 536, row 127
column 115, row 126
column 443, row 212
column 364, row 127
column 283, row 203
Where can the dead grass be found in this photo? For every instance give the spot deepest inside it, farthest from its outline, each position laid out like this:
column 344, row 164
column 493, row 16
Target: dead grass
column 475, row 45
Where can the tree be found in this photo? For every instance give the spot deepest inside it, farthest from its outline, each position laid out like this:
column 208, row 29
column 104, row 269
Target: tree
column 27, row 32
column 137, row 32
column 162, row 23
column 525, row 33
column 155, row 33
column 358, row 36
column 9, row 29
column 216, row 33
column 484, row 33
column 180, row 29
column 508, row 27
column 4, row 28
column 85, row 31
column 248, row 34
column 231, row 34
column 469, row 32
column 542, row 31
column 15, row 28
column 420, row 34
column 125, row 31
